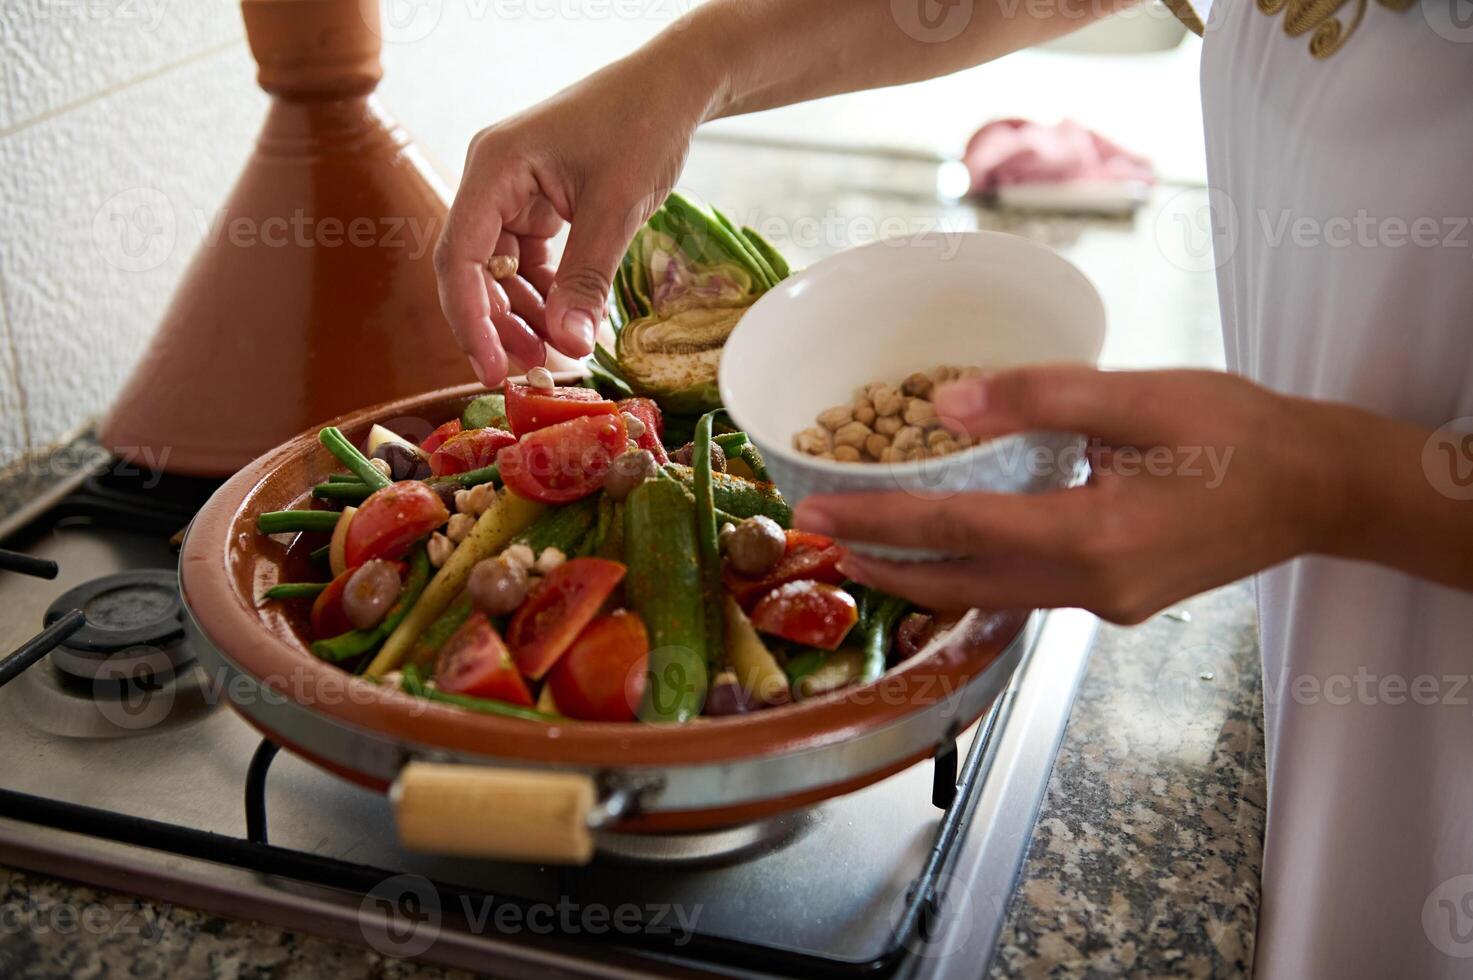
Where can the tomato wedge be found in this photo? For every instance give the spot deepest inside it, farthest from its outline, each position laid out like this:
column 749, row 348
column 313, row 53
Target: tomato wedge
column 602, row 676
column 437, row 438
column 469, row 450
column 814, row 614
column 391, row 520
column 328, row 617
column 566, row 601
column 474, row 661
column 806, row 556
column 563, row 462
column 529, row 409
column 648, row 412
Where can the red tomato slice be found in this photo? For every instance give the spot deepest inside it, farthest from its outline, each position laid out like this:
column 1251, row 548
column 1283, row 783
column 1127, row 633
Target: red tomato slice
column 567, row 599
column 391, row 520
column 529, row 409
column 807, row 556
column 602, row 676
column 474, row 661
column 648, row 412
column 328, row 618
column 437, row 438
column 563, row 462
column 814, row 614
column 469, row 450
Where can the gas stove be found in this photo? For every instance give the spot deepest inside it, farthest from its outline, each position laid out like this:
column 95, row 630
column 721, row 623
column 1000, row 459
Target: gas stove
column 123, row 766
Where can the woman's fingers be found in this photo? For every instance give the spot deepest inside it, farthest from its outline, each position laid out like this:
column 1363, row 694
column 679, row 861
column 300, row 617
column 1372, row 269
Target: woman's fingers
column 971, row 524
column 600, row 232
column 1119, row 407
column 471, row 300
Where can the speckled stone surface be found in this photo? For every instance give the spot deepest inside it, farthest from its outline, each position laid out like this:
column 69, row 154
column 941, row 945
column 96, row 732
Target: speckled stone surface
column 1147, row 855
column 1145, row 860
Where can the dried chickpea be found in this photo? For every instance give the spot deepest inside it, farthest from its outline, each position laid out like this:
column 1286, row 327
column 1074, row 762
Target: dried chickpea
column 888, row 425
column 835, row 418
column 876, row 444
column 907, row 439
column 460, row 525
column 439, row 549
column 940, row 442
column 846, row 454
column 852, row 434
column 813, row 441
column 887, row 401
column 919, row 412
column 865, row 413
column 917, row 385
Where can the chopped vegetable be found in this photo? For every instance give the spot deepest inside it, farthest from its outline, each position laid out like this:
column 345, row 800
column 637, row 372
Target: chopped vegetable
column 372, row 589
column 740, row 498
column 811, row 613
column 281, row 521
column 295, row 590
column 498, row 586
column 328, row 617
column 475, row 662
column 437, row 438
column 649, row 416
column 755, row 667
column 473, row 449
column 486, row 412
column 664, row 588
column 391, row 521
column 708, row 548
column 529, row 409
column 345, row 646
column 349, row 456
column 629, row 471
column 556, row 611
column 564, row 462
column 337, row 561
column 879, row 630
column 415, row 685
column 805, row 556
column 755, row 545
column 684, row 283
column 838, row 669
column 433, row 638
column 503, row 520
column 602, row 675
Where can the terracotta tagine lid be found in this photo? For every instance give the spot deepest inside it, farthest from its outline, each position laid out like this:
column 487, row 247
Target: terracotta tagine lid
column 314, row 292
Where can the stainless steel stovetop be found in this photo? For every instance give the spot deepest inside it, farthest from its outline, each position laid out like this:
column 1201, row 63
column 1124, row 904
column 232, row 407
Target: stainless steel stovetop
column 147, row 787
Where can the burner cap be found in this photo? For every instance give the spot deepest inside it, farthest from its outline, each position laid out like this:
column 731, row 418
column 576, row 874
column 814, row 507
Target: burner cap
column 128, row 609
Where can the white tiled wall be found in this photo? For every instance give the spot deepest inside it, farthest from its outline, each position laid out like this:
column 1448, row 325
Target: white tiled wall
column 123, row 124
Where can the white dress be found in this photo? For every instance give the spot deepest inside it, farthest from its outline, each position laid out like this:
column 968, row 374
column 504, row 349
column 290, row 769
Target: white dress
column 1340, row 153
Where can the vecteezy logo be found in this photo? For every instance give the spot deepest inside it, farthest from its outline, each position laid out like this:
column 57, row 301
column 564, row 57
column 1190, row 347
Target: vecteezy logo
column 944, row 924
column 1450, row 19
column 1193, row 680
column 932, row 21
column 400, row 916
column 404, row 21
column 1196, row 230
column 1447, row 917
column 135, row 230
column 1447, row 459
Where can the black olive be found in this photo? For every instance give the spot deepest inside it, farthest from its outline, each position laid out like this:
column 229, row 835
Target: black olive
column 404, row 463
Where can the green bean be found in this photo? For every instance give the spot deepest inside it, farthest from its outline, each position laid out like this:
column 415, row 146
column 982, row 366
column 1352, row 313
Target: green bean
column 295, row 590
column 731, row 443
column 752, row 456
column 413, row 684
column 879, row 630
column 342, row 478
column 355, row 643
column 355, row 491
column 279, row 521
column 470, row 478
column 706, row 541
column 321, row 554
column 332, row 437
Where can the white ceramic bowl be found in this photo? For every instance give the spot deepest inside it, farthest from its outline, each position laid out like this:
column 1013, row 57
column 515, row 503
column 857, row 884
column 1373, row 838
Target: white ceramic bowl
column 884, row 310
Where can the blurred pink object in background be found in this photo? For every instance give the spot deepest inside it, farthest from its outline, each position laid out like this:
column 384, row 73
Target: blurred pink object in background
column 1008, row 152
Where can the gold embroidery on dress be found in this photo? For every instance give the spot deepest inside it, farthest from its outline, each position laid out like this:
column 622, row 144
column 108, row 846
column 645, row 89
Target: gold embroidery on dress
column 1317, row 18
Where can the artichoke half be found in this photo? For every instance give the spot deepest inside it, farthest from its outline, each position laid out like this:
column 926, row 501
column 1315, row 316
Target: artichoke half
column 685, row 281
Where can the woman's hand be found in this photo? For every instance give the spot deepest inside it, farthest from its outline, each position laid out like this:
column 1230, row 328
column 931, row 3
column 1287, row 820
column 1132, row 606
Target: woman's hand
column 602, row 155
column 1199, row 478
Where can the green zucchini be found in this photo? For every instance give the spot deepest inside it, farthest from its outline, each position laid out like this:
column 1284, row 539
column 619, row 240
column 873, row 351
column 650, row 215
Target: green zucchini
column 562, row 527
column 739, row 497
column 486, row 412
column 433, row 638
column 664, row 586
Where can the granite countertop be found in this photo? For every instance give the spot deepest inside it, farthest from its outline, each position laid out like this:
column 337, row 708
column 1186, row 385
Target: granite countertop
column 1145, row 858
